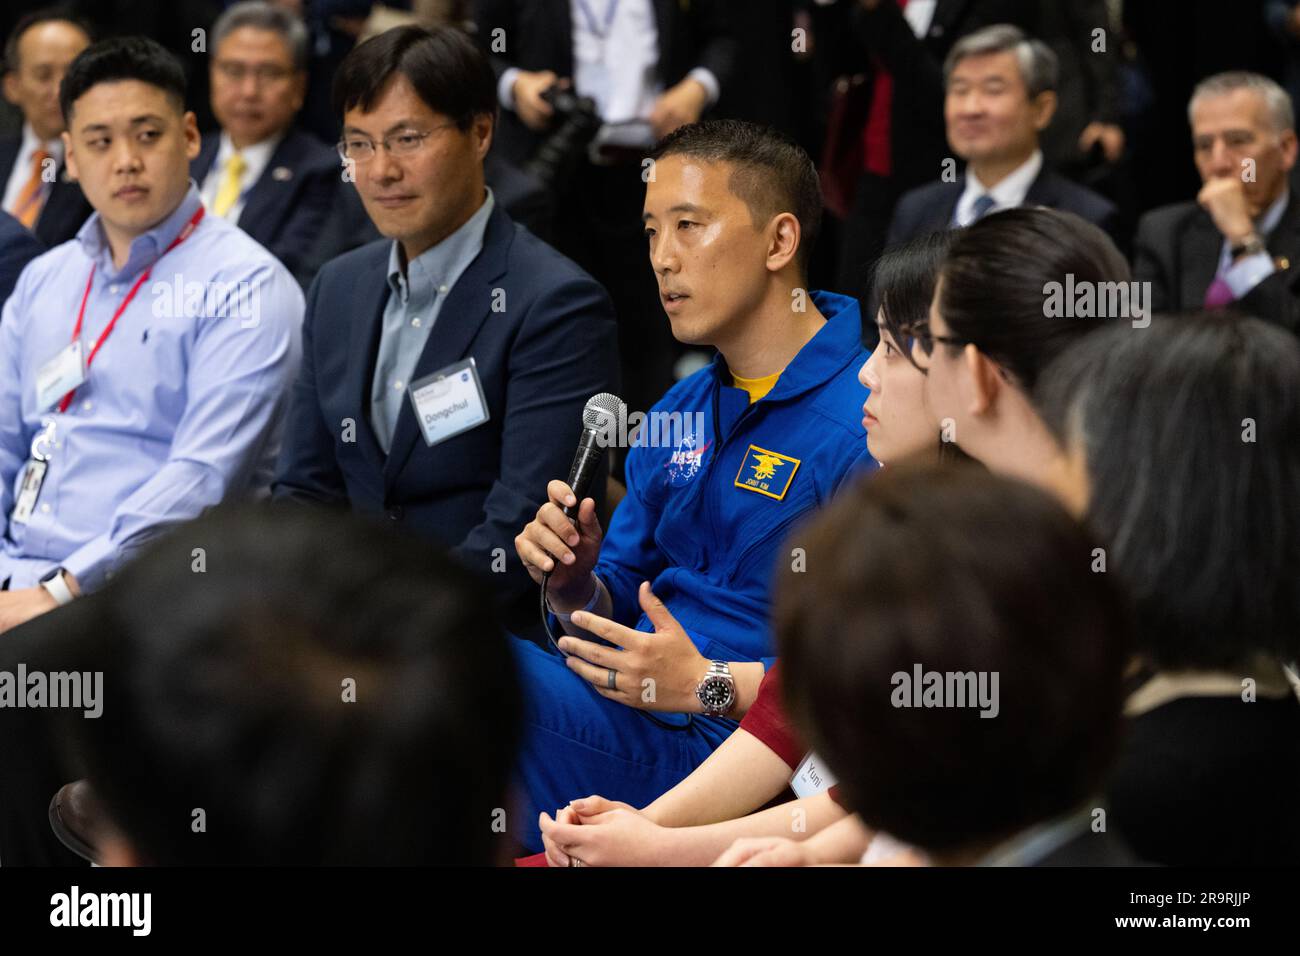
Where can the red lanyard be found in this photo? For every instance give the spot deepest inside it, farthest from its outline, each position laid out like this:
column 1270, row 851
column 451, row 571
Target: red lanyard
column 108, row 329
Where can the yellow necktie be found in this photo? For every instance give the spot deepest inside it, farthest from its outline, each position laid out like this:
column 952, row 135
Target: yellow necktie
column 28, row 205
column 228, row 192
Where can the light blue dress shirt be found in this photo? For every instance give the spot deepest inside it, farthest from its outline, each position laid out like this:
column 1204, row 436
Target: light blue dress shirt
column 1252, row 270
column 181, row 408
column 412, row 308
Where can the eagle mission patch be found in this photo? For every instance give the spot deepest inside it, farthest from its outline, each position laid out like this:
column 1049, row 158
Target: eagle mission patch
column 766, row 472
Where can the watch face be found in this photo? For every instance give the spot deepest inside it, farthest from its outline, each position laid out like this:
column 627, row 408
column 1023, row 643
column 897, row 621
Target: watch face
column 715, row 693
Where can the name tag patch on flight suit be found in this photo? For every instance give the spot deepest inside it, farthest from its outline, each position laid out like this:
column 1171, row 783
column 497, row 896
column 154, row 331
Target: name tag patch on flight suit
column 766, row 472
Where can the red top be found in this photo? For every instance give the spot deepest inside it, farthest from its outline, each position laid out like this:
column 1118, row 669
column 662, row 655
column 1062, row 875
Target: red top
column 766, row 720
column 877, row 134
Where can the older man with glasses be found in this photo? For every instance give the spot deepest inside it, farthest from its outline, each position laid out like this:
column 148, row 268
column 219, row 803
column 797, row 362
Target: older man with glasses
column 277, row 183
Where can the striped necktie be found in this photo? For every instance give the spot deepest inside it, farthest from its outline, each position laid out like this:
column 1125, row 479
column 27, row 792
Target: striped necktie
column 982, row 205
column 30, row 201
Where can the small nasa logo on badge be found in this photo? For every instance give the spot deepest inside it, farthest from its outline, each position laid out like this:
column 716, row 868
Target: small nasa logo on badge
column 767, row 472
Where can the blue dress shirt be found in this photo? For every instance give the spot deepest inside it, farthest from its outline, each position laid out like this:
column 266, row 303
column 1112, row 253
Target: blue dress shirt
column 180, row 409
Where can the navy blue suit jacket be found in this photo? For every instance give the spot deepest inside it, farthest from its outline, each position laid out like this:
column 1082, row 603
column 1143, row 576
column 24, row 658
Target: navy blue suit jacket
column 17, row 248
column 546, row 347
column 65, row 209
column 930, row 208
column 289, row 205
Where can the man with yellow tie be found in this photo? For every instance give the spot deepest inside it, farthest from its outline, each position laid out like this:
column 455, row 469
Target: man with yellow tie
column 37, row 192
column 277, row 183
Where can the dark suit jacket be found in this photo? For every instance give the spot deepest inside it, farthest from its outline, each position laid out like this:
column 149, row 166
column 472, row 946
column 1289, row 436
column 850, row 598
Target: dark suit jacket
column 289, row 205
column 1177, row 250
column 17, row 248
column 930, row 208
column 539, row 36
column 1088, row 89
column 860, row 39
column 540, row 359
column 65, row 209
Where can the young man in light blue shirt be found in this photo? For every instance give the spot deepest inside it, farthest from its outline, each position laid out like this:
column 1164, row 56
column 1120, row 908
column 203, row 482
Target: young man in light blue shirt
column 144, row 369
column 143, row 364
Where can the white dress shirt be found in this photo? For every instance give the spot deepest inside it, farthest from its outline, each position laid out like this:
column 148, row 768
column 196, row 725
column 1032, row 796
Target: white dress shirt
column 256, row 159
column 1008, row 194
column 1252, row 270
column 919, row 14
column 615, row 54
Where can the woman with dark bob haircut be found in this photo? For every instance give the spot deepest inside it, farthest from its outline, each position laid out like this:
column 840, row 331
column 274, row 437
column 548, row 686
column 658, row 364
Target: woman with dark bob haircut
column 1189, row 433
column 996, row 323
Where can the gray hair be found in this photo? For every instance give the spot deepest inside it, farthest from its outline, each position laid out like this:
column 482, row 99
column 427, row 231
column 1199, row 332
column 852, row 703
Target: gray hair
column 1277, row 104
column 1039, row 67
column 265, row 16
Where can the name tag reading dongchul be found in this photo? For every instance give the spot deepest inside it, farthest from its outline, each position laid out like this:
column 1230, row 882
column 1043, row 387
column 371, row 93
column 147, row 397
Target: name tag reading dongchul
column 449, row 401
column 64, row 373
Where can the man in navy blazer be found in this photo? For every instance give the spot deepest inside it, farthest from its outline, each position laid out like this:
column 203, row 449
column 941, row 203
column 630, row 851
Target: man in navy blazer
column 456, row 279
column 1000, row 95
column 277, row 183
column 17, row 248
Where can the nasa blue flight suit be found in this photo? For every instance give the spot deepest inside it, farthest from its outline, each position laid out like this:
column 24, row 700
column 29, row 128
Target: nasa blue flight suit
column 703, row 522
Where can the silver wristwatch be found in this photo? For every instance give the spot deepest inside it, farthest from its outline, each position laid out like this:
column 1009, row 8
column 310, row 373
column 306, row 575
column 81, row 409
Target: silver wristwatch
column 717, row 691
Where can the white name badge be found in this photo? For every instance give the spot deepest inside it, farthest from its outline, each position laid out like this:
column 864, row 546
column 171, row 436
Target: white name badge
column 811, row 777
column 449, row 401
column 64, row 373
column 29, row 489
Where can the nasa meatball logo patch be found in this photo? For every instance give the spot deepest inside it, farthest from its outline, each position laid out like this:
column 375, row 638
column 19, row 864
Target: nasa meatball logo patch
column 686, row 459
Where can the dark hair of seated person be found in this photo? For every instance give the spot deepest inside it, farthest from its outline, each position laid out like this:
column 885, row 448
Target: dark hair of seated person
column 122, row 58
column 993, row 285
column 958, row 570
column 902, row 287
column 323, row 688
column 443, row 65
column 770, row 172
column 903, row 281
column 1190, row 431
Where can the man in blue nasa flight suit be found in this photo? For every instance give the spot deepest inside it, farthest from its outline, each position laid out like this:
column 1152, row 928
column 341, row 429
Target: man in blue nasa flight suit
column 730, row 214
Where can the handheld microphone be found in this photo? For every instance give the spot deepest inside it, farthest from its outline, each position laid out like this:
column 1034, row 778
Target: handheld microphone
column 600, row 420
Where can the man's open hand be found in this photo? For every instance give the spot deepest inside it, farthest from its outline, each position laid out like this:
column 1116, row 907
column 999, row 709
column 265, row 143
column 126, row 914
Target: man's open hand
column 658, row 671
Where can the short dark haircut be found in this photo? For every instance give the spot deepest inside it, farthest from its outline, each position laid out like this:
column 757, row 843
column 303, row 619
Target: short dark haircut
column 954, row 569
column 902, row 288
column 771, row 173
column 446, row 68
column 226, row 688
column 903, row 285
column 1200, row 523
column 54, row 14
column 993, row 287
column 122, row 58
